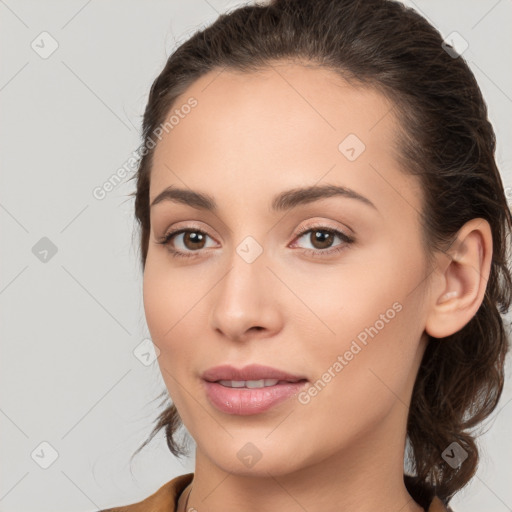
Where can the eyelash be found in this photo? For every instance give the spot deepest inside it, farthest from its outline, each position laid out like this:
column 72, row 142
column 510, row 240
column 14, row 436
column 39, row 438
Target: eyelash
column 312, row 252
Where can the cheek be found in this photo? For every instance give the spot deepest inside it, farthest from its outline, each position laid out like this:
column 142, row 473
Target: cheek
column 339, row 301
column 169, row 298
column 159, row 309
column 370, row 324
column 166, row 307
column 359, row 383
column 159, row 302
column 176, row 315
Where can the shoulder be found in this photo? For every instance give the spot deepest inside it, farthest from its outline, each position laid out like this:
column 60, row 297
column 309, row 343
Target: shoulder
column 163, row 500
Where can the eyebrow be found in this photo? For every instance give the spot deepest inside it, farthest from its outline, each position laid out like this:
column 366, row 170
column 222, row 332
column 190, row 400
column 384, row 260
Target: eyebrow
column 281, row 202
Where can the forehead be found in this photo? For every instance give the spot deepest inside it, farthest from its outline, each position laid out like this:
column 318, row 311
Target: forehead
column 287, row 124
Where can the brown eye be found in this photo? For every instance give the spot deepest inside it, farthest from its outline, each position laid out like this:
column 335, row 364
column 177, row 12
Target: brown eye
column 321, row 238
column 185, row 242
column 194, row 240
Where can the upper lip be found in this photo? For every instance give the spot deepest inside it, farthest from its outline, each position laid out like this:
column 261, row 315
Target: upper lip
column 249, row 372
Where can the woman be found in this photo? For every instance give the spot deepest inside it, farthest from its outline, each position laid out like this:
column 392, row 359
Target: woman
column 322, row 217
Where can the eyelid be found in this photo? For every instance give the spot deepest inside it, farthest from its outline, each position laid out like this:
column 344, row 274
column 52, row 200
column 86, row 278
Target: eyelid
column 188, row 226
column 323, row 224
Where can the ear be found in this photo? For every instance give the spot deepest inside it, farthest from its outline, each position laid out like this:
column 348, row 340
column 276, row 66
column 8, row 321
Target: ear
column 459, row 282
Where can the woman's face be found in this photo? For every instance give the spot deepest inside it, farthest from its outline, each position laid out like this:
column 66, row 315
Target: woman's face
column 247, row 289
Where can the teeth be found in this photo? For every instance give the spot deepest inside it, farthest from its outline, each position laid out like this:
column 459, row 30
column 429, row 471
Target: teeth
column 263, row 383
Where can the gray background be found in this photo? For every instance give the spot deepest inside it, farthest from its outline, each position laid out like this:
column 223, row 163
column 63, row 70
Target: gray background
column 73, row 329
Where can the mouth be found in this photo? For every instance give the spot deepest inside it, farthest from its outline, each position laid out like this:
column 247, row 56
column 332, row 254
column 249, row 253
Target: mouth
column 249, row 397
column 250, row 390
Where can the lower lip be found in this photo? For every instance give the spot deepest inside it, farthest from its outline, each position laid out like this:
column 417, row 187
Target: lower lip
column 246, row 401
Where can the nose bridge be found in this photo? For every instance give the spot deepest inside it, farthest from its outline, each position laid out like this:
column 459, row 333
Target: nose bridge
column 243, row 299
column 244, row 282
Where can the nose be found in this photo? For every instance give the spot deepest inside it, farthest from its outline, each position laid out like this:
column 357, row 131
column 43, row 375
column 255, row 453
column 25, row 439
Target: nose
column 245, row 302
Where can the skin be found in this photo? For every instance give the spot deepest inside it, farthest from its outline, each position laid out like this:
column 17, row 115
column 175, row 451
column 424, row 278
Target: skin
column 250, row 137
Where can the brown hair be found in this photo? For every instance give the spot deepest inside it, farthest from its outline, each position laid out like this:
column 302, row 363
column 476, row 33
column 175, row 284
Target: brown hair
column 446, row 140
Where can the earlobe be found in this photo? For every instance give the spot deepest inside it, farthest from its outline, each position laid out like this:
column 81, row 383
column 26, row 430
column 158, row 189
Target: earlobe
column 460, row 287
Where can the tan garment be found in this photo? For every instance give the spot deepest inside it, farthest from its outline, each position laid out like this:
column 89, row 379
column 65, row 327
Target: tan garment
column 166, row 499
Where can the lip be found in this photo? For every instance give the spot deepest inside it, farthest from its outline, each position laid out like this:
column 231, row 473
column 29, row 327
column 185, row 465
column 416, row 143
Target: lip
column 249, row 372
column 248, row 401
